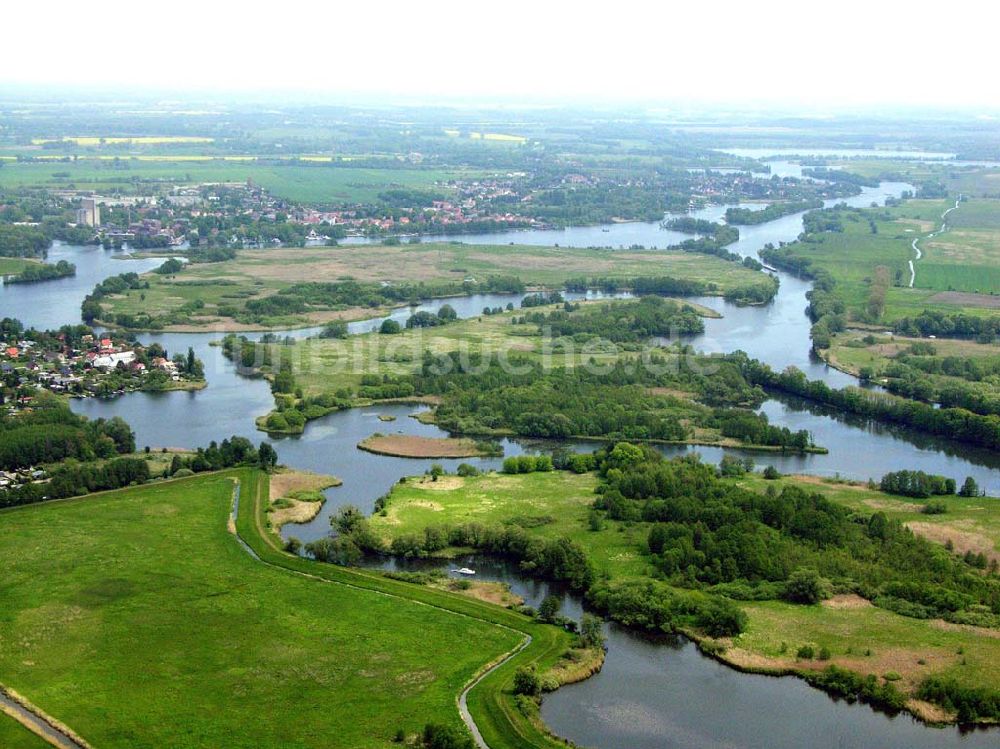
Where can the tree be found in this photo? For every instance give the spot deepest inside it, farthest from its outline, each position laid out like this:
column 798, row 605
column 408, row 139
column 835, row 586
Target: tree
column 267, row 456
column 549, row 609
column 389, row 327
column 806, row 586
column 970, row 488
column 591, row 632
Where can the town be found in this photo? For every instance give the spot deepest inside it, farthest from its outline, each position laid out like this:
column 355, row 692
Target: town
column 76, row 362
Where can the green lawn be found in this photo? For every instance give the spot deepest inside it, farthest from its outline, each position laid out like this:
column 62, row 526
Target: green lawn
column 140, row 622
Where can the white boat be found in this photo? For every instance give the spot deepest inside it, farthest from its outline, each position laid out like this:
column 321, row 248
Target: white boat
column 464, row 571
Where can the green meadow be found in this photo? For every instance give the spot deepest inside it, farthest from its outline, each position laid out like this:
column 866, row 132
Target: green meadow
column 192, row 298
column 140, row 622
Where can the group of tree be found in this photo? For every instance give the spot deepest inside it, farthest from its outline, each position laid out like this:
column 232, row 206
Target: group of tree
column 952, row 423
column 748, row 216
column 50, row 433
column 649, row 317
column 713, row 535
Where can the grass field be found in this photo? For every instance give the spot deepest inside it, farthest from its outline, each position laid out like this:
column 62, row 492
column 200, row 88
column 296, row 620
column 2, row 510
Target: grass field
column 15, row 736
column 12, row 265
column 552, row 504
column 258, row 273
column 966, row 257
column 309, row 184
column 859, row 636
column 975, row 180
column 136, row 618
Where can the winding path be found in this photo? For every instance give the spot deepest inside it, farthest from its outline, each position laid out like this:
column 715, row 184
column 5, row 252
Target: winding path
column 916, row 249
column 463, row 707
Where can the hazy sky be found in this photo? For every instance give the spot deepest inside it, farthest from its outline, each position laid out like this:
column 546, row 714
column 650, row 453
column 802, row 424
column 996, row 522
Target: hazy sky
column 831, row 54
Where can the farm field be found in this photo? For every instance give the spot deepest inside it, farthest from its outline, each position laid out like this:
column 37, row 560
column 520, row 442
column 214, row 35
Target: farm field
column 326, row 185
column 942, row 283
column 971, row 179
column 255, row 274
column 140, row 622
column 857, row 635
column 966, row 257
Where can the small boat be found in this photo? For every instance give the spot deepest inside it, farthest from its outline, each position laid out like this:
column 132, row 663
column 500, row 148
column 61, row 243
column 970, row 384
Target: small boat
column 464, row 571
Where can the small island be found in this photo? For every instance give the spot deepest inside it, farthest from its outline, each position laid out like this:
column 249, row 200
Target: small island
column 412, row 446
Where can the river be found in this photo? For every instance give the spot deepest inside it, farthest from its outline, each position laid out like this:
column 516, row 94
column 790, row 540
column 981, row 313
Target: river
column 650, row 693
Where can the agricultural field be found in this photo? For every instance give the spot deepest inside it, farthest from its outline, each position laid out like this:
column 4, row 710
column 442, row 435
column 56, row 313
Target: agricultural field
column 974, row 180
column 857, row 635
column 139, row 140
column 942, row 283
column 966, row 257
column 256, row 274
column 141, row 622
column 323, row 185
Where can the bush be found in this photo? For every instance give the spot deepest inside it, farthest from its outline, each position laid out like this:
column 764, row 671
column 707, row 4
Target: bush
column 526, row 682
column 806, row 586
column 934, row 507
column 805, row 652
column 444, row 737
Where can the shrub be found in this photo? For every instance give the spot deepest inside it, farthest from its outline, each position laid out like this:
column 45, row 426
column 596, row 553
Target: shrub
column 806, row 586
column 526, row 682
